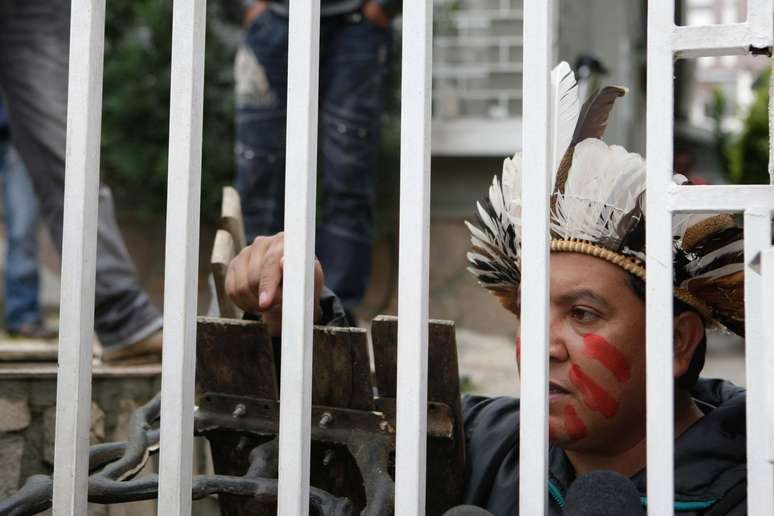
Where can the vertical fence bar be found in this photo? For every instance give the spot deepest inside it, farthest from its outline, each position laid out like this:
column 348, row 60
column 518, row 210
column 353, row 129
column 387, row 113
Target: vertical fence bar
column 300, row 196
column 760, row 473
column 659, row 131
column 538, row 46
column 759, row 16
column 414, row 259
column 182, row 256
column 767, row 270
column 79, row 256
column 767, row 304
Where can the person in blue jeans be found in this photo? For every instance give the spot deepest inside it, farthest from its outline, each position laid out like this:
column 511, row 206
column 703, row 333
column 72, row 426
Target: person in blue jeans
column 34, row 65
column 355, row 43
column 22, row 307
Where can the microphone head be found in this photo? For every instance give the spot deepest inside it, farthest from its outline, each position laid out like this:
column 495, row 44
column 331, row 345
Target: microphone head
column 603, row 493
column 467, row 510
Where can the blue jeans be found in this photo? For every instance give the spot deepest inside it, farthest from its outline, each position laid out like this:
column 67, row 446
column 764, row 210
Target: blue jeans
column 353, row 62
column 21, row 222
column 34, row 53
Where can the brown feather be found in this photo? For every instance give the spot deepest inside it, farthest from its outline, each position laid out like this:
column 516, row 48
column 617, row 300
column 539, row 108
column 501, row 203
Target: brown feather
column 592, row 123
column 695, row 235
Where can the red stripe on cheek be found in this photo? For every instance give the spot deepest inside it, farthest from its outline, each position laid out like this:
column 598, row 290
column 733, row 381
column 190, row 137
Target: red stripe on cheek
column 608, row 355
column 518, row 349
column 552, row 435
column 572, row 423
column 595, row 397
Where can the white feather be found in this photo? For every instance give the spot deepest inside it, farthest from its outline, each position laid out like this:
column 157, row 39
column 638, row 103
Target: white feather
column 603, row 186
column 565, row 110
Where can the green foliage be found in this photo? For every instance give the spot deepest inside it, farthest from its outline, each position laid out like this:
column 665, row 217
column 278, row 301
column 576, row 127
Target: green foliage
column 748, row 155
column 135, row 126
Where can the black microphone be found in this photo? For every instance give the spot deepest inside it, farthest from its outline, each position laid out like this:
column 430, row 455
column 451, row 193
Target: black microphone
column 467, row 510
column 603, row 493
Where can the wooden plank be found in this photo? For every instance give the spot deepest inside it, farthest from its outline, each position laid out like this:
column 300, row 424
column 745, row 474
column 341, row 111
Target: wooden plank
column 442, row 354
column 445, row 459
column 342, row 372
column 341, row 378
column 223, row 251
column 231, row 219
column 235, row 357
column 384, row 336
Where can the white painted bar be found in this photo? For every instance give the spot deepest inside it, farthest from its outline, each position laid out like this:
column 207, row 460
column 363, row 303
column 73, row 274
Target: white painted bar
column 659, row 152
column 712, row 40
column 300, row 197
column 771, row 123
column 414, row 258
column 718, row 198
column 182, row 257
column 536, row 187
column 767, row 303
column 79, row 256
column 760, row 472
column 727, row 39
column 759, row 15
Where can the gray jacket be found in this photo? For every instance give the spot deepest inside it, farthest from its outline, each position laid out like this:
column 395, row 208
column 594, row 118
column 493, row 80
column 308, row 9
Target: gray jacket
column 710, row 457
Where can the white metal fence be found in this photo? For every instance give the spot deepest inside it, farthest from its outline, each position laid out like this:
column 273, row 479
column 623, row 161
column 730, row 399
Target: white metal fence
column 665, row 43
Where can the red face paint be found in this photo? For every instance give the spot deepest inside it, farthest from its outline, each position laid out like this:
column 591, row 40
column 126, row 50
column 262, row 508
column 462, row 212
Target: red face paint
column 572, row 423
column 552, row 435
column 608, row 355
column 518, row 350
column 594, row 396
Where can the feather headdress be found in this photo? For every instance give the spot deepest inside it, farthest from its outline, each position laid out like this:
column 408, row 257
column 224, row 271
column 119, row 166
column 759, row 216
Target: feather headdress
column 598, row 208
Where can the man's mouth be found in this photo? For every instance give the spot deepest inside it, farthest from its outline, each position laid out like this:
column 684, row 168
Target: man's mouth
column 555, row 388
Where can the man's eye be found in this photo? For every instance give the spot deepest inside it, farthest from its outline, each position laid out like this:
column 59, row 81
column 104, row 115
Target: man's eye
column 584, row 315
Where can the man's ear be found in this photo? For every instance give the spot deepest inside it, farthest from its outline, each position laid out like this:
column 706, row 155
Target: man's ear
column 689, row 330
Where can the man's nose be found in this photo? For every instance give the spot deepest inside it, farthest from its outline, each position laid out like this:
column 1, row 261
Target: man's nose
column 557, row 348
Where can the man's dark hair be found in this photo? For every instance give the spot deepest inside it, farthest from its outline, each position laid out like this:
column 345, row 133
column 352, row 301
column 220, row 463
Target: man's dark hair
column 688, row 379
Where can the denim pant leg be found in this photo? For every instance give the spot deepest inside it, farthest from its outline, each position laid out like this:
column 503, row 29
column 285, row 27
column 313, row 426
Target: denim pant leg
column 260, row 72
column 21, row 221
column 34, row 43
column 353, row 65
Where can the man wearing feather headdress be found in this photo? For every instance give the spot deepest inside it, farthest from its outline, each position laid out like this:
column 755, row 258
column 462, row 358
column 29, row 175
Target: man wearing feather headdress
column 597, row 323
